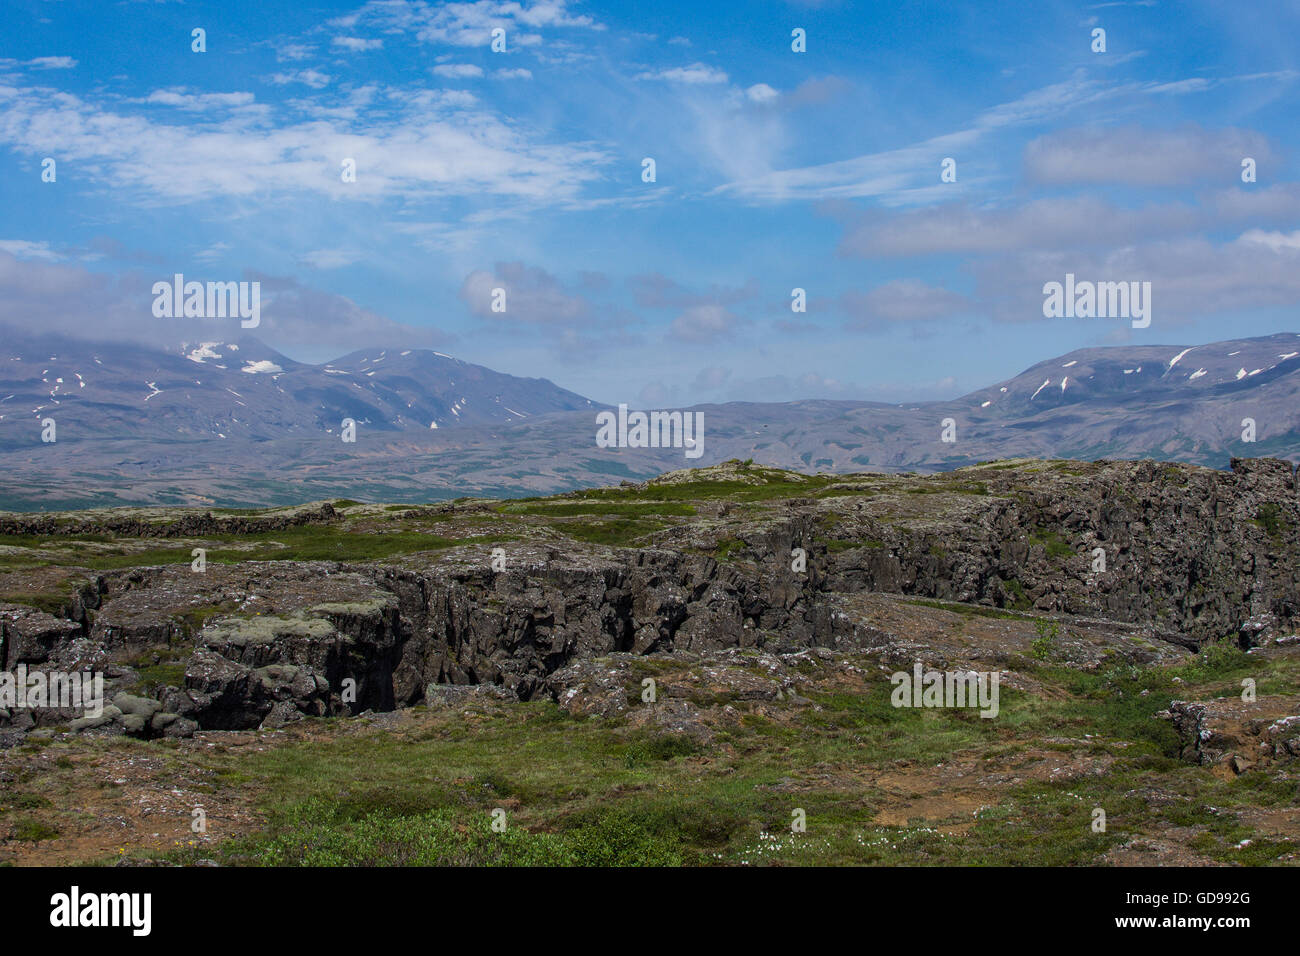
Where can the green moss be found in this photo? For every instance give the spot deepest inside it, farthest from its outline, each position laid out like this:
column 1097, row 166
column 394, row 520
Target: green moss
column 726, row 547
column 1051, row 542
column 265, row 630
column 17, row 800
column 618, row 532
column 840, row 544
column 31, row 829
column 153, row 676
column 56, row 603
column 617, row 509
column 1270, row 518
column 976, row 610
column 194, row 619
column 1019, row 599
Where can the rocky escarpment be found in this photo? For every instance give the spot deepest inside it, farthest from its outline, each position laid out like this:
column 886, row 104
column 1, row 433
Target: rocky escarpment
column 186, row 525
column 329, row 639
column 1189, row 551
column 1189, row 555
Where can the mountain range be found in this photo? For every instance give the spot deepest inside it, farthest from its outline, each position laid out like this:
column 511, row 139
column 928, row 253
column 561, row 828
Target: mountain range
column 239, row 424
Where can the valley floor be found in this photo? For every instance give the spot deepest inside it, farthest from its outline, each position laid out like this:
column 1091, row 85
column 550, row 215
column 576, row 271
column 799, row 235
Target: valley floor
column 713, row 773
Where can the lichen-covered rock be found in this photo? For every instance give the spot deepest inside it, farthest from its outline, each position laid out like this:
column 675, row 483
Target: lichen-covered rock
column 1186, row 555
column 1236, row 735
column 29, row 636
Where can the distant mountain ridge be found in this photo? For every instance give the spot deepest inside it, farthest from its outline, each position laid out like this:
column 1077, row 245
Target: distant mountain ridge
column 241, row 424
column 245, row 390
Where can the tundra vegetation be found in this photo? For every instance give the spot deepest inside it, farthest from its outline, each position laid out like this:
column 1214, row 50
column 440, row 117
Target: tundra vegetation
column 645, row 677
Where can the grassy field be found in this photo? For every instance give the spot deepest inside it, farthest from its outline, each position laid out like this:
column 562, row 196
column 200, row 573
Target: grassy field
column 876, row 784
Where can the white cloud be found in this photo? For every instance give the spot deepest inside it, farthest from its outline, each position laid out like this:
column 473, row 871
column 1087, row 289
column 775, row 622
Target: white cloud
column 180, row 98
column 328, row 258
column 702, row 324
column 57, row 298
column 356, row 44
column 695, row 75
column 1067, row 222
column 653, row 290
column 532, row 296
column 313, row 78
column 213, row 252
column 52, row 63
column 902, row 300
column 1276, row 241
column 293, row 51
column 1188, row 276
column 1140, row 156
column 457, row 71
column 895, row 172
column 761, row 93
column 466, row 24
column 414, row 143
column 518, row 74
column 25, row 249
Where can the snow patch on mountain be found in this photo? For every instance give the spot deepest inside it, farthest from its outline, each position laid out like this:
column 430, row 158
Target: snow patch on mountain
column 205, row 350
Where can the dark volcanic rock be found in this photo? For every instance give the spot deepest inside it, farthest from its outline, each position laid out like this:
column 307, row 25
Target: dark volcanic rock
column 1190, row 555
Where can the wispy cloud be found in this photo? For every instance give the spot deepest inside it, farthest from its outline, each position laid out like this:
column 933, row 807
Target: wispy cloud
column 413, row 143
column 1142, row 156
column 313, row 78
column 695, row 74
column 457, row 71
column 356, row 44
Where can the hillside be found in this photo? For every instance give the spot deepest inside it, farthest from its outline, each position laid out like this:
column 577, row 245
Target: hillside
column 244, row 426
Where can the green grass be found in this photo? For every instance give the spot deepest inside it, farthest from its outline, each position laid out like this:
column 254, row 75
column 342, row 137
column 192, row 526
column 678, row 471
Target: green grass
column 836, row 545
column 16, row 800
column 28, row 828
column 976, row 610
column 1051, row 542
column 1019, row 599
column 726, row 547
column 152, row 676
column 565, row 509
column 776, row 484
column 596, row 792
column 617, row 532
column 302, row 543
column 57, row 603
column 1270, row 518
column 593, row 792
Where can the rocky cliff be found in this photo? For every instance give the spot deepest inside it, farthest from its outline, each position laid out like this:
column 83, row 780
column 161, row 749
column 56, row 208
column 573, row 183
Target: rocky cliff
column 514, row 595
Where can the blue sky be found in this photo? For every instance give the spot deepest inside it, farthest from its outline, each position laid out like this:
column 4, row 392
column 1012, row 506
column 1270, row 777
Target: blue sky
column 775, row 170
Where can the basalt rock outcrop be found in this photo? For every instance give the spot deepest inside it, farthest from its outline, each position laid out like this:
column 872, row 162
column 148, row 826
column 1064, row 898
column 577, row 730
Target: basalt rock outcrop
column 1192, row 552
column 1233, row 736
column 1171, row 554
